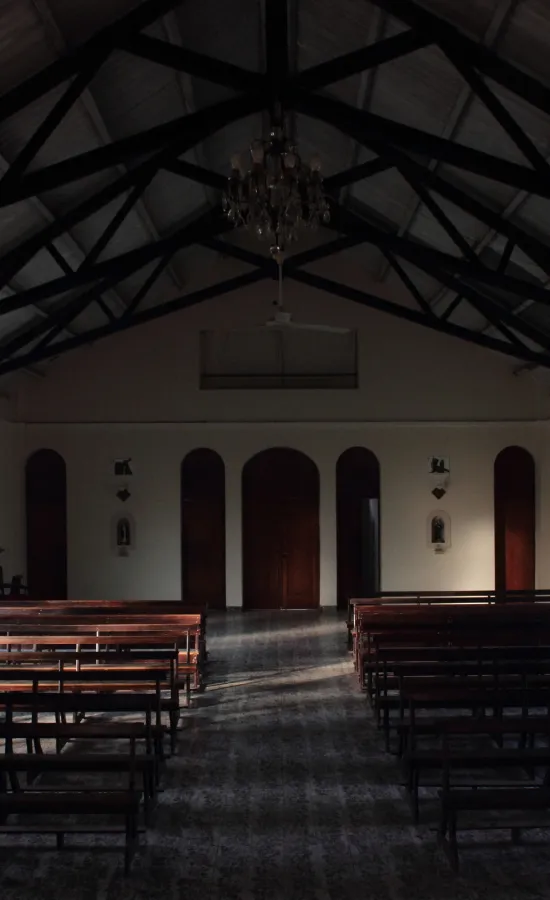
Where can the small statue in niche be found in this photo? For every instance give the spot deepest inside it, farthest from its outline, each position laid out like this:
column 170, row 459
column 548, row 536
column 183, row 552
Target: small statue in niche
column 438, row 530
column 123, row 537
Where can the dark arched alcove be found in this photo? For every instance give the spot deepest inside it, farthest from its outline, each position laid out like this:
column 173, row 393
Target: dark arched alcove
column 280, row 494
column 203, row 529
column 357, row 524
column 46, row 514
column 514, row 486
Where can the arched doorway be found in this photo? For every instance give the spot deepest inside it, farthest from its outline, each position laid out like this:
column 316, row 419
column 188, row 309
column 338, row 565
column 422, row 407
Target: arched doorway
column 280, row 492
column 46, row 512
column 203, row 529
column 514, row 486
column 357, row 524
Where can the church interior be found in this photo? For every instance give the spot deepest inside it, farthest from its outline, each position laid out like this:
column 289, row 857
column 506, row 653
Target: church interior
column 275, row 445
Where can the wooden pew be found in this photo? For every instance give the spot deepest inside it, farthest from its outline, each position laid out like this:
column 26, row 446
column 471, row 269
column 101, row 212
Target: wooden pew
column 187, row 666
column 183, row 634
column 65, row 801
column 518, row 799
column 108, row 608
column 396, row 616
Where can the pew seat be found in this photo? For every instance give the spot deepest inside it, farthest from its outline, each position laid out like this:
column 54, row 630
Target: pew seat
column 123, row 804
column 142, row 766
column 446, row 760
column 507, row 800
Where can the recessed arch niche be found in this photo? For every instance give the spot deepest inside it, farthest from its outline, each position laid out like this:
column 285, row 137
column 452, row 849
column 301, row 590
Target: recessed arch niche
column 357, row 524
column 514, row 488
column 203, row 528
column 280, row 522
column 46, row 526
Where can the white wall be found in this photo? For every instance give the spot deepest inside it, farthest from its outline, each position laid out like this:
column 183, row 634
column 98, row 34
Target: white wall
column 421, row 394
column 12, row 559
column 407, row 373
column 406, row 502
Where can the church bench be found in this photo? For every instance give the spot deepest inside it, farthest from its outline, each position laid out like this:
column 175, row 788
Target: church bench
column 136, row 766
column 491, row 673
column 388, row 647
column 422, row 628
column 33, row 733
column 463, row 634
column 447, row 759
column 187, row 662
column 135, row 636
column 74, row 660
column 97, row 681
column 113, row 609
column 496, row 699
column 79, row 705
column 121, row 804
column 503, row 800
column 420, row 599
column 471, row 726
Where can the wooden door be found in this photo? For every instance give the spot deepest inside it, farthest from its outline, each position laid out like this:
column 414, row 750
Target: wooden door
column 46, row 513
column 203, row 529
column 357, row 539
column 514, row 486
column 280, row 492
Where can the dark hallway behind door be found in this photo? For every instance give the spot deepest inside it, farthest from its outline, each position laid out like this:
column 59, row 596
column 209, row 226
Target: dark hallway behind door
column 357, row 524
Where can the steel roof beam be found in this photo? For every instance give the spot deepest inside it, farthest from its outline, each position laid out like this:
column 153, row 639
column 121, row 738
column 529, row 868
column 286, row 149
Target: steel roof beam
column 369, row 57
column 213, row 119
column 126, row 322
column 194, row 128
column 367, row 127
column 121, row 266
column 500, row 113
column 497, row 26
column 212, row 223
column 411, row 315
column 59, row 71
column 198, row 64
column 486, row 306
column 484, row 60
column 357, row 173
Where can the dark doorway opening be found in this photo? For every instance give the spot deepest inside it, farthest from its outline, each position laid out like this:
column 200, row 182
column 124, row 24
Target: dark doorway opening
column 203, row 529
column 514, row 487
column 357, row 524
column 280, row 494
column 46, row 514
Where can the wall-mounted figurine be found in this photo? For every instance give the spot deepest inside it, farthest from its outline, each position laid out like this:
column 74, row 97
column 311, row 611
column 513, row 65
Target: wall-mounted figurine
column 123, row 535
column 123, row 468
column 439, row 473
column 439, row 531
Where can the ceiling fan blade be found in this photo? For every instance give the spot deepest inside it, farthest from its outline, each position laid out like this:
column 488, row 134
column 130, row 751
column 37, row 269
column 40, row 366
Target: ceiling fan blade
column 328, row 329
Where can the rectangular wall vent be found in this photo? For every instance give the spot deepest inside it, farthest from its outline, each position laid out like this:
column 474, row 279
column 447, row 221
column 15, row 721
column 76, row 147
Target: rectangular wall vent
column 267, row 358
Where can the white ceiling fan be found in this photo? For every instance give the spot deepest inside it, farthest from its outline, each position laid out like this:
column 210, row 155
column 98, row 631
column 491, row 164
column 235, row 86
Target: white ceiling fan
column 282, row 318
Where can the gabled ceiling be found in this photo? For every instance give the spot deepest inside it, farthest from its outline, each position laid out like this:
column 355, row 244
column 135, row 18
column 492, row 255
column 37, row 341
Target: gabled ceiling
column 117, row 122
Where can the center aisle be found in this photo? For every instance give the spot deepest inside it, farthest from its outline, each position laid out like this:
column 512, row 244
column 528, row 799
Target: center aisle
column 281, row 791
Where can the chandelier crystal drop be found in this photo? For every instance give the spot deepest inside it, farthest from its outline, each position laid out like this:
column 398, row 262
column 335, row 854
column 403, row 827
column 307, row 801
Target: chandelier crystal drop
column 274, row 193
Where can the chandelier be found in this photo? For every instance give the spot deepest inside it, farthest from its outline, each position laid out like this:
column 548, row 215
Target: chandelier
column 274, row 193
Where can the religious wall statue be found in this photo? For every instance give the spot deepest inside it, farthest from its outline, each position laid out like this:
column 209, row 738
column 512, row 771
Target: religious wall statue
column 123, row 533
column 438, row 530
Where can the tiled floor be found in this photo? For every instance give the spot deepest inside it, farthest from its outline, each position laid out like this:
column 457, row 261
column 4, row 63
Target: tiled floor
column 281, row 791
